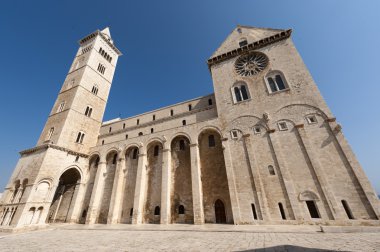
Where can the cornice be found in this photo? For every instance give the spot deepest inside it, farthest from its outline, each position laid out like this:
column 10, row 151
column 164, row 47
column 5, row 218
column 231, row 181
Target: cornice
column 94, row 34
column 53, row 146
column 250, row 47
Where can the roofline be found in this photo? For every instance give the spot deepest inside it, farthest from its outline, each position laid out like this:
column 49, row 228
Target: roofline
column 250, row 47
column 94, row 34
column 148, row 112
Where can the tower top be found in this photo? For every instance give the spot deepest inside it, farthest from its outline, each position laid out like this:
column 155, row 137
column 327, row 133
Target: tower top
column 105, row 34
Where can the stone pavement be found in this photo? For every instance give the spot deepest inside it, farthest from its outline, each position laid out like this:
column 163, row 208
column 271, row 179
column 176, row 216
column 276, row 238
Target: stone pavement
column 187, row 238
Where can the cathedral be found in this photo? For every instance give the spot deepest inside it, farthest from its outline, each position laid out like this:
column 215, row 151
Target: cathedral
column 264, row 148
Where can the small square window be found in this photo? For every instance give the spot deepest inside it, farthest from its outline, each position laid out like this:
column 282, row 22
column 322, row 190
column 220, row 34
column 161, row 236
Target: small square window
column 234, row 134
column 311, row 119
column 282, row 126
column 257, row 130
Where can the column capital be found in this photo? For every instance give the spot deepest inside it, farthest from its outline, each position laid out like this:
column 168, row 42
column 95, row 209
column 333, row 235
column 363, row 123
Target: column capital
column 247, row 135
column 165, row 150
column 141, row 154
column 193, row 145
column 271, row 130
column 299, row 126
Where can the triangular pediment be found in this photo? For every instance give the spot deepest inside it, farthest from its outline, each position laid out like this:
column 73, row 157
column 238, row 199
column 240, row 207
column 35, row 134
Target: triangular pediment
column 251, row 34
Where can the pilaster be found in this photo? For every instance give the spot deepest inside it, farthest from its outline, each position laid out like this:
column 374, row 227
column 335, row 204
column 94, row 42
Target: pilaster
column 140, row 190
column 117, row 193
column 166, row 187
column 196, row 184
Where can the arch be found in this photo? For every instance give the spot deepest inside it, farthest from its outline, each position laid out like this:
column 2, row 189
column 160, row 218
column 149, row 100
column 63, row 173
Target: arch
column 151, row 141
column 183, row 134
column 240, row 92
column 65, row 195
column 212, row 165
column 42, row 190
column 308, row 195
column 181, row 194
column 220, row 212
column 275, row 81
column 302, row 104
column 94, row 153
column 128, row 147
column 210, row 128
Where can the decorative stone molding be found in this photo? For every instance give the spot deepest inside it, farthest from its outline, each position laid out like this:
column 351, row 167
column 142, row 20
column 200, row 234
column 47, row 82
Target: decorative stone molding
column 332, row 119
column 299, row 126
column 46, row 146
column 271, row 130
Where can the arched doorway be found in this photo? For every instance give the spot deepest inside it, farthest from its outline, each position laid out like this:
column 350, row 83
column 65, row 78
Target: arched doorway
column 64, row 197
column 220, row 212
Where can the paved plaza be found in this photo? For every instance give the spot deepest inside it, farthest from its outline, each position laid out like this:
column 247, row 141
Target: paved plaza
column 187, row 238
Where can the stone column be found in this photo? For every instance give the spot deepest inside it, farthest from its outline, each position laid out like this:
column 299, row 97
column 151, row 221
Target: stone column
column 140, row 189
column 231, row 182
column 357, row 170
column 166, row 187
column 262, row 199
column 328, row 195
column 97, row 193
column 196, row 184
column 117, row 193
column 283, row 167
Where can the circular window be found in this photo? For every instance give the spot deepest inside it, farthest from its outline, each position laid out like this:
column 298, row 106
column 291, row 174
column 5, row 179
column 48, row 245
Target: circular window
column 251, row 64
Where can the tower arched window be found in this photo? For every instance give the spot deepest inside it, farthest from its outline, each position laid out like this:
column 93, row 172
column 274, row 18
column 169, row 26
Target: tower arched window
column 275, row 81
column 51, row 131
column 88, row 111
column 80, row 137
column 240, row 92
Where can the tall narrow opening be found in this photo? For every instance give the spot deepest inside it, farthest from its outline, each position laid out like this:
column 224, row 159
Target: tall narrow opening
column 254, row 211
column 348, row 210
column 282, row 212
column 220, row 212
column 312, row 207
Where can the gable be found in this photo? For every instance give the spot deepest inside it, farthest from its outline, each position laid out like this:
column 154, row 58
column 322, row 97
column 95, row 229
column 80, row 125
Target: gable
column 252, row 34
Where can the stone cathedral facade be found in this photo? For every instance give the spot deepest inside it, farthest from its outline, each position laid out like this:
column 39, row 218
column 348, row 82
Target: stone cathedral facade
column 264, row 148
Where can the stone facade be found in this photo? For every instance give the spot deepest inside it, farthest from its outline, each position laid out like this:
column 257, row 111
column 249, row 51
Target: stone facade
column 263, row 149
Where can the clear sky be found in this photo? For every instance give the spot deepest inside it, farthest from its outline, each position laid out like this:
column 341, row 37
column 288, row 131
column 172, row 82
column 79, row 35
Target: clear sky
column 165, row 46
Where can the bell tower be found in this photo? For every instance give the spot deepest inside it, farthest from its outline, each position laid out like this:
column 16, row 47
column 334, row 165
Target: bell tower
column 77, row 114
column 49, row 180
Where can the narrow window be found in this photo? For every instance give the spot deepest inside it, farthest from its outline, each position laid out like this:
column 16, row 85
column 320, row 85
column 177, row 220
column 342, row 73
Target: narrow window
column 76, row 158
column 181, row 209
column 312, row 209
column 114, row 159
column 244, row 93
column 183, row 122
column 110, row 129
column 209, row 102
column 51, row 131
column 131, row 212
column 272, row 85
column 257, row 130
column 171, row 112
column 283, row 216
column 157, row 210
column 181, row 144
column 123, row 125
column 97, row 162
column 103, row 142
column 94, row 90
column 347, row 209
column 254, row 211
column 156, row 149
column 282, row 126
column 154, row 117
column 311, row 119
column 243, row 42
column 88, row 111
column 135, row 153
column 280, row 82
column 234, row 134
column 190, row 107
column 138, row 121
column 271, row 170
column 126, row 136
column 78, row 137
column 151, row 130
column 81, row 138
column 211, row 141
column 140, row 133
column 237, row 94
column 61, row 107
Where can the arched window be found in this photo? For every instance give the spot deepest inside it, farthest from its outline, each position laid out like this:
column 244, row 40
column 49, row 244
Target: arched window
column 271, row 170
column 275, row 81
column 347, row 209
column 282, row 211
column 88, row 111
column 209, row 102
column 313, row 210
column 80, row 137
column 181, row 209
column 157, row 210
column 131, row 212
column 151, row 130
column 156, row 150
column 51, row 131
column 240, row 92
column 171, row 112
column 140, row 133
column 183, row 122
column 190, row 107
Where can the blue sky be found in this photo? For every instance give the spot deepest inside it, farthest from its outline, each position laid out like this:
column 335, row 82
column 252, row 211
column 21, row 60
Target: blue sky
column 165, row 46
